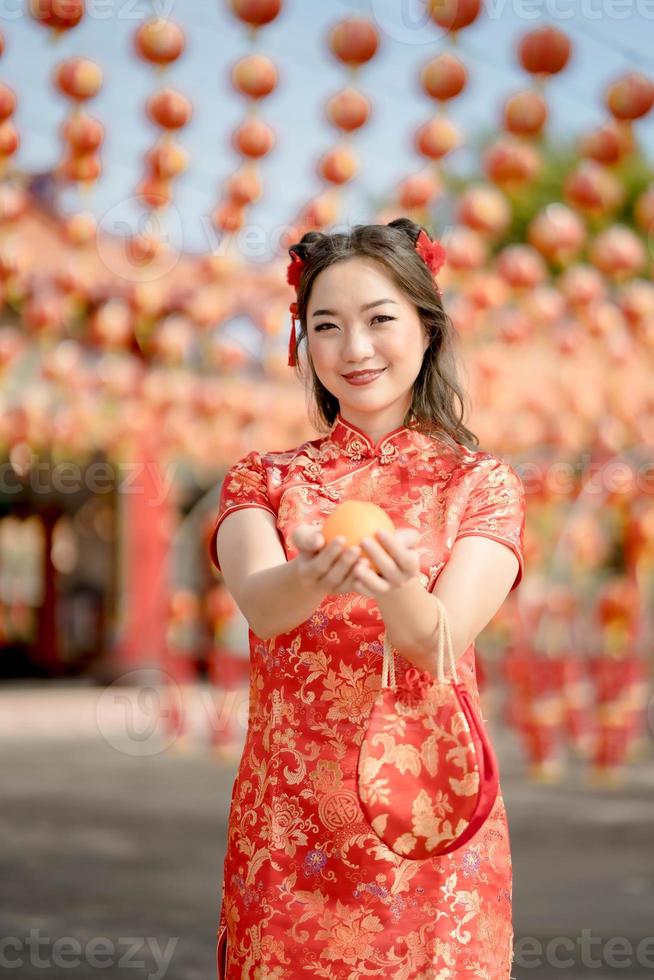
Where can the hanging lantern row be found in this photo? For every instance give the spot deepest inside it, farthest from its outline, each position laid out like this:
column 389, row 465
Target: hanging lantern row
column 442, row 79
column 353, row 42
column 160, row 43
column 255, row 77
column 79, row 80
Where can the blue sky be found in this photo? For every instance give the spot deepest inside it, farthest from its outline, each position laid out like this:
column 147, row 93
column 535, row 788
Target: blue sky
column 610, row 37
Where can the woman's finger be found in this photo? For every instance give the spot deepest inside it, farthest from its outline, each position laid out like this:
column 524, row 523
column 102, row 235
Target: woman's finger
column 385, row 563
column 306, row 538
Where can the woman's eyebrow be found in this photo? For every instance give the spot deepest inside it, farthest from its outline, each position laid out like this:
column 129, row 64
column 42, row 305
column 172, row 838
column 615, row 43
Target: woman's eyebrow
column 367, row 306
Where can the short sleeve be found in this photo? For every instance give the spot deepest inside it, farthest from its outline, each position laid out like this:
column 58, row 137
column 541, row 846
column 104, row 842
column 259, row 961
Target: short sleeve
column 495, row 509
column 244, row 486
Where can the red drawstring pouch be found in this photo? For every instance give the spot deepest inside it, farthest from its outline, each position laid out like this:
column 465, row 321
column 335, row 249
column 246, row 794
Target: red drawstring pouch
column 427, row 775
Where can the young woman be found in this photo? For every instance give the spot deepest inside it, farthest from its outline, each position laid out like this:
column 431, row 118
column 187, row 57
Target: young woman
column 308, row 889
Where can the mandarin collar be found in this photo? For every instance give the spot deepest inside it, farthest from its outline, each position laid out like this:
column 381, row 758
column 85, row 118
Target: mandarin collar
column 358, row 445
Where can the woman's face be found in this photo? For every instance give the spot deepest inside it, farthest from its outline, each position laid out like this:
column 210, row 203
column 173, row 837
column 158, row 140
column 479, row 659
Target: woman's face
column 358, row 321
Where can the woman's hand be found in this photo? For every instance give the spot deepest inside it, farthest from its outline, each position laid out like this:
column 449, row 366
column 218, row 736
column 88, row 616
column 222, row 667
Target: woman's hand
column 397, row 558
column 324, row 566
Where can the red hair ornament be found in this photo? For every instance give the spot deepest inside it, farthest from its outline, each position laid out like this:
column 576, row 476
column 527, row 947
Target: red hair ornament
column 431, row 252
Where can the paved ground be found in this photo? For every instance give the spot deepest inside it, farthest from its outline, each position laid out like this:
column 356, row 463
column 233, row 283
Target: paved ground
column 111, row 855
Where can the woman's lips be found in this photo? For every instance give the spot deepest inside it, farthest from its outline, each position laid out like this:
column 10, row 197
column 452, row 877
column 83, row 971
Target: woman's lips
column 364, row 379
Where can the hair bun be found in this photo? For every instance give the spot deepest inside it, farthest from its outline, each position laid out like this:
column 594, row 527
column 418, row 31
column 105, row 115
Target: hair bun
column 304, row 247
column 409, row 228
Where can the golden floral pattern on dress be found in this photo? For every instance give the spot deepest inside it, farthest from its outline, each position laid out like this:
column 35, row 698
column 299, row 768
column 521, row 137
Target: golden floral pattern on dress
column 308, row 888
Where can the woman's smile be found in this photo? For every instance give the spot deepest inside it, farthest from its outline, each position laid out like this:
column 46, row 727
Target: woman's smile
column 363, row 377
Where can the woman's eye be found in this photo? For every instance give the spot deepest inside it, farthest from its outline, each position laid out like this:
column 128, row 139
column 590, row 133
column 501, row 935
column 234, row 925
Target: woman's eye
column 326, row 326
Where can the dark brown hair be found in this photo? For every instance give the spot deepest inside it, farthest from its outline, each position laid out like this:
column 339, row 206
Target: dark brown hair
column 437, row 406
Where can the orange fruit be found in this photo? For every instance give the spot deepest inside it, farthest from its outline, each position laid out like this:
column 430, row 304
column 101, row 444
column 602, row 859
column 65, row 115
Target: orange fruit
column 355, row 520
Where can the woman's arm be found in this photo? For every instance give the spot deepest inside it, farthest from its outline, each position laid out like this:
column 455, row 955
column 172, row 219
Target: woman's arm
column 278, row 601
column 473, row 585
column 276, row 595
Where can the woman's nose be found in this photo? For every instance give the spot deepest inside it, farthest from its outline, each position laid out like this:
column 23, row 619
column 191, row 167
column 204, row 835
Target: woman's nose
column 357, row 345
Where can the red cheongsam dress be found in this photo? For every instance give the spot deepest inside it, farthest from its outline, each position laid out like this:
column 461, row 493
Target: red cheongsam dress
column 308, row 890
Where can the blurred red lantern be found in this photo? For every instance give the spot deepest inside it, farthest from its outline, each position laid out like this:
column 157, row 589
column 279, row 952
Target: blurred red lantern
column 244, row 187
column 12, row 344
column 544, row 305
column 60, row 15
column 7, row 102
column 167, row 160
column 417, row 191
column 484, row 208
column 83, row 133
column 511, row 325
column 619, row 600
column 253, row 138
column 581, row 284
column 557, row 232
column 631, row 97
column 111, row 324
column 14, row 259
column 608, row 144
column 521, row 266
column 437, row 138
column 544, row 51
column 454, row 15
column 254, row 76
column 80, row 229
column 636, row 301
column 169, row 109
column 510, row 162
column 208, row 305
column 348, row 110
column 319, row 212
column 13, row 203
column 9, row 139
column 486, row 289
column 644, row 209
column 602, row 318
column 43, row 313
column 618, row 252
column 337, row 166
column 443, row 78
column 142, row 248
column 159, row 41
column 2, row 44
column 354, row 41
column 78, row 78
column 466, row 249
column 525, row 113
column 172, row 339
column 154, row 192
column 593, row 189
column 148, row 299
column 83, row 168
column 256, row 13
column 228, row 217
